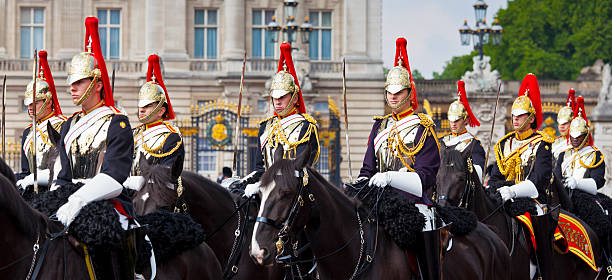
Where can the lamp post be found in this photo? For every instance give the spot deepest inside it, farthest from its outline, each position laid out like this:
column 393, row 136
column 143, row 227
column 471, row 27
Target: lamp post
column 482, row 34
column 290, row 27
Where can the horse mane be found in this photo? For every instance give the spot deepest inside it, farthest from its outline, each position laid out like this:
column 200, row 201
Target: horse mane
column 7, row 172
column 25, row 217
column 280, row 167
column 454, row 156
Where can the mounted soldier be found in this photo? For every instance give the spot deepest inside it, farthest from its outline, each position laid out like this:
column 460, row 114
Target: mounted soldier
column 289, row 127
column 459, row 116
column 156, row 140
column 524, row 159
column 403, row 152
column 96, row 147
column 582, row 168
column 564, row 117
column 47, row 111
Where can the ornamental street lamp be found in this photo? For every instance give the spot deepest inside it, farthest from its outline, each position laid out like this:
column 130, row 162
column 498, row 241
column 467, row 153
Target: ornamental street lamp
column 482, row 34
column 290, row 28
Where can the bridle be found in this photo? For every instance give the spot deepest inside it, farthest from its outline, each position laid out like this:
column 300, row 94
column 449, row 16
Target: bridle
column 288, row 258
column 468, row 188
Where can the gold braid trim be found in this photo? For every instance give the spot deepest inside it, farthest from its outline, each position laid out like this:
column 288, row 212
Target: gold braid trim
column 382, row 117
column 593, row 164
column 309, row 118
column 153, row 151
column 401, row 151
column 510, row 166
column 266, row 119
column 277, row 135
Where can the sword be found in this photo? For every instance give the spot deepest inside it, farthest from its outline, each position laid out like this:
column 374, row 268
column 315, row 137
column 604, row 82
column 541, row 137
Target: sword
column 4, row 119
column 113, row 81
column 491, row 135
column 346, row 136
column 34, row 126
column 237, row 131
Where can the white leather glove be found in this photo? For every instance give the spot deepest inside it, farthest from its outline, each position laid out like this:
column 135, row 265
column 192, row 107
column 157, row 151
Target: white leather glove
column 506, row 193
column 406, row 181
column 134, row 182
column 522, row 189
column 251, row 189
column 587, row 185
column 42, row 176
column 570, row 182
column 99, row 187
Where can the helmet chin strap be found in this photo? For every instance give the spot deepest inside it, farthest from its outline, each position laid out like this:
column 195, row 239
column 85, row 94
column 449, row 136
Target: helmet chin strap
column 87, row 91
column 42, row 109
column 526, row 122
column 289, row 107
column 148, row 117
column 399, row 105
column 584, row 141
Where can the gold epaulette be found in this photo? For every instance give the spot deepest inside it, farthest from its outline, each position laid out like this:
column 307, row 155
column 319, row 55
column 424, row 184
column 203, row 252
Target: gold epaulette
column 309, row 118
column 382, row 117
column 546, row 138
column 266, row 119
column 425, row 120
column 171, row 128
column 62, row 117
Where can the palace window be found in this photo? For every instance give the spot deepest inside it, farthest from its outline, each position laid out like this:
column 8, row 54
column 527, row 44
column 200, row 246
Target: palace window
column 32, row 31
column 262, row 45
column 205, row 34
column 320, row 39
column 109, row 28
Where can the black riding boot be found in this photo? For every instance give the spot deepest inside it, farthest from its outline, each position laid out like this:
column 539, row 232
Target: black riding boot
column 429, row 255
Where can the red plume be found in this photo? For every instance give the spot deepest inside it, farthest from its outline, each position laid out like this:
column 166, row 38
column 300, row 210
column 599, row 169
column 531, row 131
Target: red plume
column 463, row 99
column 571, row 99
column 44, row 65
column 155, row 70
column 401, row 53
column 580, row 112
column 530, row 84
column 285, row 59
column 91, row 27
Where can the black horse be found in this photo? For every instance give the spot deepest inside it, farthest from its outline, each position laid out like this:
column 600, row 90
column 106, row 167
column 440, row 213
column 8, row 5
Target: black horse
column 459, row 185
column 345, row 242
column 220, row 213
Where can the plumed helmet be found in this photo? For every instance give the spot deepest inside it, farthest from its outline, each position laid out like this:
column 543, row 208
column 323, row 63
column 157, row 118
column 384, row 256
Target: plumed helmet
column 566, row 113
column 528, row 100
column 460, row 108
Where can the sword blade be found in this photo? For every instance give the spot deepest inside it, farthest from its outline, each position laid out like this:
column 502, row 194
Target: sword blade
column 4, row 119
column 238, row 115
column 34, row 168
column 491, row 135
column 346, row 134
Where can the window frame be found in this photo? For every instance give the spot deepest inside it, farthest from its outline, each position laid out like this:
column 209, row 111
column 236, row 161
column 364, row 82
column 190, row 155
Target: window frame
column 316, row 31
column 264, row 34
column 31, row 25
column 205, row 27
column 107, row 27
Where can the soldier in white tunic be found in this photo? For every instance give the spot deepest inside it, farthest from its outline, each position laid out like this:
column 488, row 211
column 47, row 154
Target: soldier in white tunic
column 564, row 117
column 158, row 141
column 582, row 168
column 47, row 111
column 459, row 116
column 288, row 127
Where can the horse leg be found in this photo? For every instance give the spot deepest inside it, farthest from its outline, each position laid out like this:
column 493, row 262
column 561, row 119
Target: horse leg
column 197, row 263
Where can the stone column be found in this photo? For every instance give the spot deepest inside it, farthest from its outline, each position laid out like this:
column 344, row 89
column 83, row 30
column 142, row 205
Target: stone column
column 3, row 28
column 602, row 123
column 233, row 31
column 72, row 29
column 175, row 39
column 154, row 25
column 355, row 29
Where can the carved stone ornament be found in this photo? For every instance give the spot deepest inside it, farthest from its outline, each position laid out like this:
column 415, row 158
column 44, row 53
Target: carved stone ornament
column 482, row 79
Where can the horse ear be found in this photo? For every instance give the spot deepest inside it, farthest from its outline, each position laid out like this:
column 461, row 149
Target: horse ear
column 54, row 136
column 303, row 158
column 279, row 153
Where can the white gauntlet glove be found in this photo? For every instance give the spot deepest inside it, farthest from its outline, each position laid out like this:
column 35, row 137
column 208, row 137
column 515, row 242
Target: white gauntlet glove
column 134, row 183
column 570, row 182
column 522, row 189
column 405, row 181
column 251, row 189
column 587, row 185
column 99, row 187
column 42, row 176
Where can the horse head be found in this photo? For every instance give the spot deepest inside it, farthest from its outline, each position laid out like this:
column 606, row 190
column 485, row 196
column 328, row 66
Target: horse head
column 454, row 177
column 157, row 191
column 281, row 201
